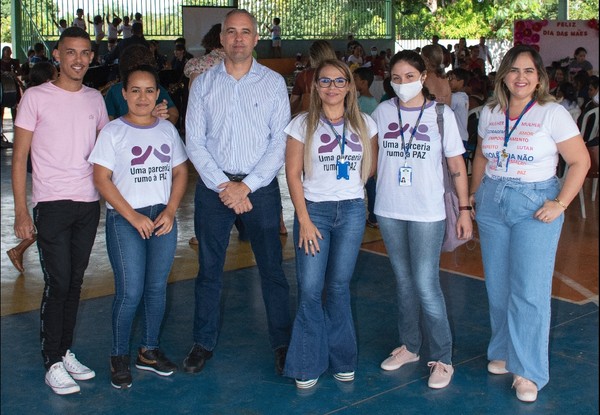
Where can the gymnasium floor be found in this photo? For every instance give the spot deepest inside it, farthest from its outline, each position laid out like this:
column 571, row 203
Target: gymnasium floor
column 240, row 378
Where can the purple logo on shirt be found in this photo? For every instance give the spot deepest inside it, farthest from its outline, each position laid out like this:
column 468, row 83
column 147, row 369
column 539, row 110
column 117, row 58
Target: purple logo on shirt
column 141, row 156
column 394, row 132
column 330, row 143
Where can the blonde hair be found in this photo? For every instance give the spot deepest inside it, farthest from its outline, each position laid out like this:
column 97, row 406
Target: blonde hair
column 501, row 92
column 352, row 116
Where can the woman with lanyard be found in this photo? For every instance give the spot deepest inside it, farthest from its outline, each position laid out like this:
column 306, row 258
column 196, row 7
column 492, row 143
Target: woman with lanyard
column 328, row 160
column 411, row 212
column 520, row 212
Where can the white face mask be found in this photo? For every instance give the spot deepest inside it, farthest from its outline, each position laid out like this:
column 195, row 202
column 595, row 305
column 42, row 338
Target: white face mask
column 407, row 91
column 373, row 53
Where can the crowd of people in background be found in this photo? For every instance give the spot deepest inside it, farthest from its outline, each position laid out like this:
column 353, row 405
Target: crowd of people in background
column 431, row 89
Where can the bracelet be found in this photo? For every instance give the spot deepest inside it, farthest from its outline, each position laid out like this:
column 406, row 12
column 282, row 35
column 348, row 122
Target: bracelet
column 465, row 208
column 562, row 205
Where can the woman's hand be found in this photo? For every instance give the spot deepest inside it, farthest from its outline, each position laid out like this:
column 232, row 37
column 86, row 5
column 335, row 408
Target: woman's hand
column 464, row 225
column 161, row 110
column 309, row 238
column 164, row 223
column 143, row 224
column 549, row 211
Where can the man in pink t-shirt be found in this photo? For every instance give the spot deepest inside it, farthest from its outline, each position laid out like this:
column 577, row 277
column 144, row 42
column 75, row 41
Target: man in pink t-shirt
column 58, row 123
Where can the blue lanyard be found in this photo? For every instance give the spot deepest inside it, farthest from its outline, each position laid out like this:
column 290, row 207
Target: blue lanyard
column 405, row 148
column 507, row 133
column 342, row 141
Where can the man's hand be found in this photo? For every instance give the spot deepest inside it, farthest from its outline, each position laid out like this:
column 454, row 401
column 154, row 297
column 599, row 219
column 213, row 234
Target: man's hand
column 234, row 193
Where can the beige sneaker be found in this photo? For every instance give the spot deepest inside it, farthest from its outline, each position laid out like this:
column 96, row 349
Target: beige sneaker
column 398, row 358
column 526, row 389
column 440, row 375
column 497, row 367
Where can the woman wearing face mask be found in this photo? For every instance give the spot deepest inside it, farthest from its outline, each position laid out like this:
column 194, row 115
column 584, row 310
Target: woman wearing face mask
column 411, row 212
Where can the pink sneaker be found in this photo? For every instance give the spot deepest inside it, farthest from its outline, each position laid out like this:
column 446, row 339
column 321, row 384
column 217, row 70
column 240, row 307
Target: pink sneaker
column 440, row 375
column 398, row 358
column 497, row 367
column 526, row 389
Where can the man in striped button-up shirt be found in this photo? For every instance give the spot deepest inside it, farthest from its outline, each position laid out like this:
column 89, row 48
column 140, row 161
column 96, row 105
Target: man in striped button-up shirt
column 237, row 112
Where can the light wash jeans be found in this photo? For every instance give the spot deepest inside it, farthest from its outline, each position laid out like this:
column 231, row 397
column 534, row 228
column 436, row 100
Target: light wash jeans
column 518, row 260
column 323, row 335
column 141, row 268
column 414, row 249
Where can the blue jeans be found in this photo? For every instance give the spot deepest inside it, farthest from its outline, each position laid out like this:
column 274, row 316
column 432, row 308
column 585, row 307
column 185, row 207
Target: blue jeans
column 414, row 249
column 66, row 231
column 141, row 268
column 213, row 221
column 518, row 261
column 323, row 335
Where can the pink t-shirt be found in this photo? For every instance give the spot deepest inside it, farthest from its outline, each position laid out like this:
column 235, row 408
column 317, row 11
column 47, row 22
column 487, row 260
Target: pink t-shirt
column 65, row 125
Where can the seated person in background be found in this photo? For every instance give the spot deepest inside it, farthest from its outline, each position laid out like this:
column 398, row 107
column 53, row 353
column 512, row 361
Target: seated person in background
column 581, row 81
column 116, row 105
column 567, row 97
column 363, row 79
column 579, row 63
column 181, row 41
column 160, row 60
column 39, row 53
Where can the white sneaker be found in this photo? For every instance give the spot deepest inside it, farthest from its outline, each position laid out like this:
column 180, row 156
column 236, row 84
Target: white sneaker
column 440, row 375
column 344, row 376
column 76, row 369
column 60, row 381
column 306, row 384
column 398, row 358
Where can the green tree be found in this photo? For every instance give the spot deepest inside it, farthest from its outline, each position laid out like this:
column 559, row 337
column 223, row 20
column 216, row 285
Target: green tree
column 6, row 21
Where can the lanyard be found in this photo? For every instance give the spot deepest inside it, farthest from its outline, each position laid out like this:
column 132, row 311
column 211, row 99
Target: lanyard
column 507, row 133
column 342, row 141
column 405, row 147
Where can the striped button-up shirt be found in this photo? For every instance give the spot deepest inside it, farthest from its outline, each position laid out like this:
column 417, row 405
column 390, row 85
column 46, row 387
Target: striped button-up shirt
column 236, row 126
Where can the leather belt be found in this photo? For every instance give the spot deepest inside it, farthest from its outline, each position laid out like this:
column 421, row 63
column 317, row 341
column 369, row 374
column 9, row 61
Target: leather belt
column 235, row 177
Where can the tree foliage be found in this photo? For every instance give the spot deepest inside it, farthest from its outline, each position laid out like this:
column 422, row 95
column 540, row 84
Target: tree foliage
column 6, row 21
column 452, row 19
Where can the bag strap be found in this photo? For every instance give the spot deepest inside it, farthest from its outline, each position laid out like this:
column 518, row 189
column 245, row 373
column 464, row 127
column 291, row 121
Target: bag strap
column 448, row 182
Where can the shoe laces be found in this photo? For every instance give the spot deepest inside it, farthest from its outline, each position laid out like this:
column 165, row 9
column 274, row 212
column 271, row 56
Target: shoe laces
column 72, row 361
column 60, row 374
column 399, row 352
column 439, row 368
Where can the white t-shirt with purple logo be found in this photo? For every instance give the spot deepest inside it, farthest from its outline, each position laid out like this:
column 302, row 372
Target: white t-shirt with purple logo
column 321, row 183
column 532, row 154
column 141, row 159
column 423, row 201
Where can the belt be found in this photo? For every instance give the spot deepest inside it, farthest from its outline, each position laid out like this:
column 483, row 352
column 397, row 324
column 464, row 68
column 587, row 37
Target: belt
column 235, row 177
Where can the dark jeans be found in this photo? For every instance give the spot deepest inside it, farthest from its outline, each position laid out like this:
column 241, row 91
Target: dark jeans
column 370, row 187
column 213, row 222
column 65, row 236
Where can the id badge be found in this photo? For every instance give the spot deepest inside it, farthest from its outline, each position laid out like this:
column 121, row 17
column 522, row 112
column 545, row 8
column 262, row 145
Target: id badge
column 405, row 176
column 342, row 170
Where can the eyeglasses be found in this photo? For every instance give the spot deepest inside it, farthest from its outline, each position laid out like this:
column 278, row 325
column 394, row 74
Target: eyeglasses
column 327, row 82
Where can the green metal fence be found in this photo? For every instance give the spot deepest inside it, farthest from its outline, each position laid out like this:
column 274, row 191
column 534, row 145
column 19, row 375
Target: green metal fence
column 300, row 19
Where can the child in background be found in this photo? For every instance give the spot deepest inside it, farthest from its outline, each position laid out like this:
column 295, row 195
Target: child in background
column 61, row 25
column 275, row 37
column 125, row 28
column 113, row 28
column 79, row 21
column 457, row 79
column 140, row 170
column 98, row 28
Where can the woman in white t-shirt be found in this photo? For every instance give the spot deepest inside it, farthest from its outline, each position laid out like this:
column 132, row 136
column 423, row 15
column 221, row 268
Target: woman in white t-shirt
column 328, row 160
column 411, row 214
column 140, row 170
column 520, row 212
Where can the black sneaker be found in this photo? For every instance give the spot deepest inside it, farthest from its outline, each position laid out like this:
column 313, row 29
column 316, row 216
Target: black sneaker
column 196, row 358
column 155, row 361
column 120, row 373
